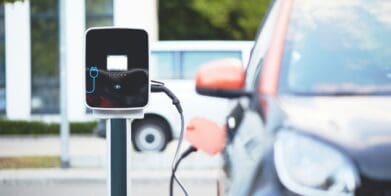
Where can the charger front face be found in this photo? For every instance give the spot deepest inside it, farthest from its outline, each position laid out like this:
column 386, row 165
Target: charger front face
column 117, row 67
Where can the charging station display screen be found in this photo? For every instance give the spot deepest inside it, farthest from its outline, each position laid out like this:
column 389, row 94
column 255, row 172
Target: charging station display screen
column 117, row 68
column 117, row 63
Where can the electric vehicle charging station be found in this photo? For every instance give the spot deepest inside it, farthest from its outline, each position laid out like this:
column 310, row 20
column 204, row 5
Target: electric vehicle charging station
column 117, row 89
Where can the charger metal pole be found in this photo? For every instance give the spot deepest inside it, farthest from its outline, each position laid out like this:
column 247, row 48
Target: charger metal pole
column 118, row 156
column 119, row 149
column 129, row 148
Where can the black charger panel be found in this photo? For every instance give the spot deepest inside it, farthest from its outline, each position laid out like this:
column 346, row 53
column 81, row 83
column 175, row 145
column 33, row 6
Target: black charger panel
column 117, row 67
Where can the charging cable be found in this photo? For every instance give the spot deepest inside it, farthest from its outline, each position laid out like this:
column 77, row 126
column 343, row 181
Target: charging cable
column 183, row 155
column 157, row 87
column 93, row 73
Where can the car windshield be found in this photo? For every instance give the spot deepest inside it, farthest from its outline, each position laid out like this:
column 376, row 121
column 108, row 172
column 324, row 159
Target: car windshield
column 338, row 47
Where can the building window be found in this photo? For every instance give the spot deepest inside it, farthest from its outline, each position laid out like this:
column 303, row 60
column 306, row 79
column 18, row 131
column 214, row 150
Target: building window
column 2, row 60
column 44, row 57
column 99, row 13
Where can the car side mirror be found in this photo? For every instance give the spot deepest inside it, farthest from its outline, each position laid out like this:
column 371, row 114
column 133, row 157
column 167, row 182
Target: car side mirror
column 221, row 78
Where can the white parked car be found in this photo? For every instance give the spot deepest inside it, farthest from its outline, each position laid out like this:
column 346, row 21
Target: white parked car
column 175, row 63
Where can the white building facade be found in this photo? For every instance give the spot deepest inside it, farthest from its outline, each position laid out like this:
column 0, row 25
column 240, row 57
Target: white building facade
column 30, row 50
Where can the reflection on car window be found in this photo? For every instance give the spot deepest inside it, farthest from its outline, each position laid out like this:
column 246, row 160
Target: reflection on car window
column 163, row 65
column 338, row 46
column 191, row 60
column 261, row 45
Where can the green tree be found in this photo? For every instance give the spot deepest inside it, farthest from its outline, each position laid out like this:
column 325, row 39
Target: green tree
column 205, row 19
column 9, row 1
column 99, row 13
column 44, row 38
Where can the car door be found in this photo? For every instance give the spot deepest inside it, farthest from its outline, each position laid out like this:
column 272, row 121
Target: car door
column 247, row 136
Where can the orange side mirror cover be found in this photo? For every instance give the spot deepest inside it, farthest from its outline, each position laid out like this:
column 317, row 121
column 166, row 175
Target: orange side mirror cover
column 221, row 74
column 206, row 135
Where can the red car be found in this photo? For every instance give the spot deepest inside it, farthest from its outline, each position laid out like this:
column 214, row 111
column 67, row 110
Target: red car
column 313, row 107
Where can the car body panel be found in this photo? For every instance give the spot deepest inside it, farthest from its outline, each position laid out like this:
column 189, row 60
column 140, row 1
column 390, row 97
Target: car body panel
column 359, row 126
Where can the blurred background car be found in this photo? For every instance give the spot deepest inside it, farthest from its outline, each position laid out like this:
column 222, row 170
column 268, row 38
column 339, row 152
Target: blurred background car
column 312, row 114
column 175, row 63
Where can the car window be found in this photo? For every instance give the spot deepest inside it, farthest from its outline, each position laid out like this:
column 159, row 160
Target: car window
column 330, row 49
column 191, row 60
column 163, row 65
column 262, row 43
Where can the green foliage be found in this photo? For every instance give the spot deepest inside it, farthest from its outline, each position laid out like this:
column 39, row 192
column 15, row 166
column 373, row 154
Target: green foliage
column 44, row 36
column 179, row 21
column 83, row 127
column 205, row 19
column 8, row 127
column 9, row 1
column 98, row 6
column 99, row 13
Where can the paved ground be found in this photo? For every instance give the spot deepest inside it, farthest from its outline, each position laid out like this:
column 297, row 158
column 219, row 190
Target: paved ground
column 85, row 182
column 150, row 171
column 89, row 152
column 26, row 176
column 139, row 188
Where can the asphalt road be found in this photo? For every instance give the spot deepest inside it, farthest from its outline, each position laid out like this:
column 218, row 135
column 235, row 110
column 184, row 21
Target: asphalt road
column 99, row 189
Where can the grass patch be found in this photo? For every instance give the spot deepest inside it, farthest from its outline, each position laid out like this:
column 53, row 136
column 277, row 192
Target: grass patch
column 29, row 162
column 20, row 127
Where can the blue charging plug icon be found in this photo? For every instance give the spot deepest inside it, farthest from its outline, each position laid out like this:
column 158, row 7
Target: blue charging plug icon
column 93, row 73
